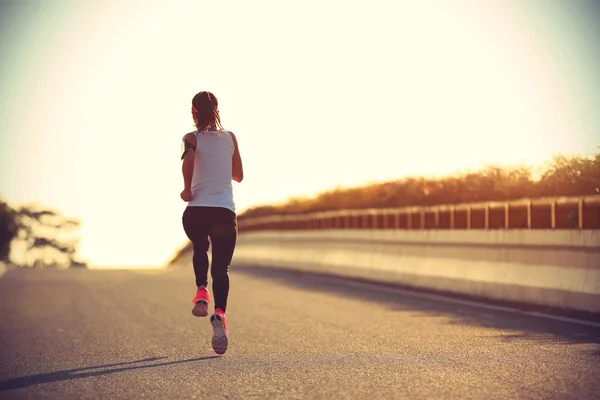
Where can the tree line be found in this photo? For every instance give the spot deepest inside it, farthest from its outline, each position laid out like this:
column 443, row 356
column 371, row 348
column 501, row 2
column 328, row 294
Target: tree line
column 561, row 176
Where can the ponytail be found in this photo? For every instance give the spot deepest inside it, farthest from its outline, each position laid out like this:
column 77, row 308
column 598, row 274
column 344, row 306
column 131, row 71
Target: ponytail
column 205, row 108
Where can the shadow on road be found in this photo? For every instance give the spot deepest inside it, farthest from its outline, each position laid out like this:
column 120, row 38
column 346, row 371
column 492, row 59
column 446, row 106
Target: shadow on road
column 96, row 370
column 529, row 328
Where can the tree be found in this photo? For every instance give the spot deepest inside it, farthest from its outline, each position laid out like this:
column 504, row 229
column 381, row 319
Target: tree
column 569, row 176
column 38, row 237
column 8, row 230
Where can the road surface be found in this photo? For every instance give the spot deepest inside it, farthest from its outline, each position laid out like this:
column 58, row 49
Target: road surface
column 92, row 334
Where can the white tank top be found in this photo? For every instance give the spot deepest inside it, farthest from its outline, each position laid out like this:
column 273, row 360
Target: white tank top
column 211, row 182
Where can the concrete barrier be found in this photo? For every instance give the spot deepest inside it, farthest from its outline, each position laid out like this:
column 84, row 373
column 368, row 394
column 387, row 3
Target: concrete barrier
column 553, row 268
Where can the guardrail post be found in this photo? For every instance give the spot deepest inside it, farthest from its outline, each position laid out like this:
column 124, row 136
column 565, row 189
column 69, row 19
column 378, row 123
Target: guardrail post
column 468, row 217
column 452, row 217
column 553, row 214
column 422, row 219
column 487, row 217
column 529, row 214
column 580, row 213
column 506, row 215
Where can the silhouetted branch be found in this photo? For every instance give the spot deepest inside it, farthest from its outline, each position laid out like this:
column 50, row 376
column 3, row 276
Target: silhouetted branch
column 39, row 242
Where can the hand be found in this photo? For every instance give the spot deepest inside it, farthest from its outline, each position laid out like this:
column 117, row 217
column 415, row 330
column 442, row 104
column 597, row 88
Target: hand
column 186, row 195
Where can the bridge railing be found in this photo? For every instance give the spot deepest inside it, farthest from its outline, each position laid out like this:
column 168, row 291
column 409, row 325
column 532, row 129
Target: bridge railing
column 582, row 212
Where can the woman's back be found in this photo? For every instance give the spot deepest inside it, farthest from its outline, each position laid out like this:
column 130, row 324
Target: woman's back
column 211, row 181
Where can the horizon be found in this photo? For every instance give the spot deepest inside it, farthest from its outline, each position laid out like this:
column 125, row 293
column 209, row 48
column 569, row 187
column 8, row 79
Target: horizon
column 98, row 96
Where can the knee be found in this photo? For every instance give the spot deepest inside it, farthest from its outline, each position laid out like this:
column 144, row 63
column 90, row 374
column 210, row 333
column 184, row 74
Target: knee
column 219, row 271
column 201, row 245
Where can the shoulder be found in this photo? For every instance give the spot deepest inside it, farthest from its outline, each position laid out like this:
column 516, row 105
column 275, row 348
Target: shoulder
column 233, row 137
column 189, row 137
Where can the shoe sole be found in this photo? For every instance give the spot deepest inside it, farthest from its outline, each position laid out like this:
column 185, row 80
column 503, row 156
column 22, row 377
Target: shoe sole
column 220, row 341
column 200, row 309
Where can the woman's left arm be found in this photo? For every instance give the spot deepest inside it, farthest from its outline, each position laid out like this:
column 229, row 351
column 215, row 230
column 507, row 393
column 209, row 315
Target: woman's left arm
column 237, row 170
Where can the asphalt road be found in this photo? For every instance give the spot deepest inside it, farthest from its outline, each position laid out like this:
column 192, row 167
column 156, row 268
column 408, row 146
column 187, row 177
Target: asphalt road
column 130, row 335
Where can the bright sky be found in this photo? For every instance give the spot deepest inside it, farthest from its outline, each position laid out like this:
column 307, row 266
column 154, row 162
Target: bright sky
column 96, row 96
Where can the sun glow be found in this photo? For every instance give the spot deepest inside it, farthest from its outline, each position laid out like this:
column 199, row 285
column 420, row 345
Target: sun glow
column 320, row 94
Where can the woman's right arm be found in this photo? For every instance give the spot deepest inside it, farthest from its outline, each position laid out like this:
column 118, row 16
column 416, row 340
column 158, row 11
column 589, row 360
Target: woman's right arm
column 237, row 171
column 187, row 165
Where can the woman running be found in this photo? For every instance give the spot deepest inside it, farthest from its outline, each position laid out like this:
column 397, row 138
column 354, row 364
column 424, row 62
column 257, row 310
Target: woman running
column 211, row 160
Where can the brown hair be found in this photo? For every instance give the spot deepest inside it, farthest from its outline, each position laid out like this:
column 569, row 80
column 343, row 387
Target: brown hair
column 205, row 107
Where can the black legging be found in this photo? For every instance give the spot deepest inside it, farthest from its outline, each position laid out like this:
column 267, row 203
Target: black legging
column 220, row 225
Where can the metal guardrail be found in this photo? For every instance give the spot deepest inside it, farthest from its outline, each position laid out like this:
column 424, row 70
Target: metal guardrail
column 581, row 212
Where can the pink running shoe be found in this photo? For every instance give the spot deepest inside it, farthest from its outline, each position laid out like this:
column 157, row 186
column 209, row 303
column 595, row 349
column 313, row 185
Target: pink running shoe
column 220, row 339
column 200, row 302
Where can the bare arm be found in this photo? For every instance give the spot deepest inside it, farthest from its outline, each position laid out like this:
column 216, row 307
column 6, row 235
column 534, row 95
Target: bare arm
column 237, row 171
column 187, row 165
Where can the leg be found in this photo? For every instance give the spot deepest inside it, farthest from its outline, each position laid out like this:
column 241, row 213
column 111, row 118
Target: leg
column 200, row 261
column 196, row 230
column 223, row 236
